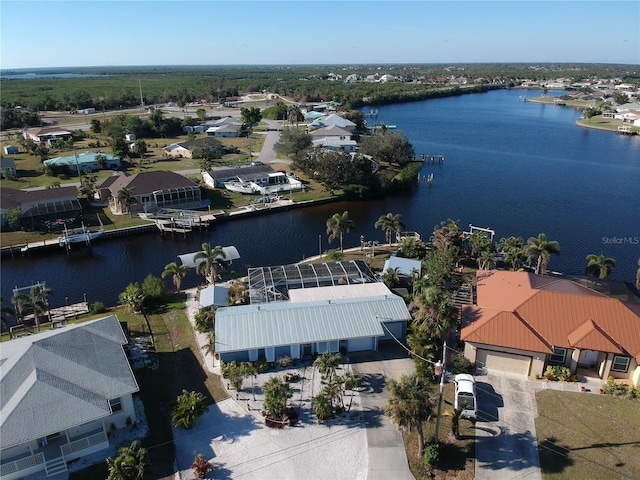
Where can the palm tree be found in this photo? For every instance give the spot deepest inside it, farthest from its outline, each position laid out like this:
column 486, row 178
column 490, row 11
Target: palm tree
column 126, row 198
column 276, row 395
column 423, row 345
column 409, row 405
column 130, row 464
column 210, row 257
column 486, row 259
column 389, row 223
column 391, row 277
column 541, row 249
column 599, row 266
column 434, row 311
column 322, row 406
column 40, row 302
column 132, row 297
column 513, row 249
column 338, row 225
column 327, row 364
column 249, row 369
column 177, row 273
column 188, row 408
column 210, row 346
column 5, row 314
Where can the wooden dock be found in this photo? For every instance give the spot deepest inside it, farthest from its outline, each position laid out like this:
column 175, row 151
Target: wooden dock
column 429, row 158
column 57, row 318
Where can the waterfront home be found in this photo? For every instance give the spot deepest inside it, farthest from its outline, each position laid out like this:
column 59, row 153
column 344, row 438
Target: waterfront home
column 217, row 176
column 333, row 137
column 8, row 167
column 63, row 391
column 524, row 322
column 40, row 207
column 150, row 191
column 332, row 119
column 314, row 320
column 86, row 162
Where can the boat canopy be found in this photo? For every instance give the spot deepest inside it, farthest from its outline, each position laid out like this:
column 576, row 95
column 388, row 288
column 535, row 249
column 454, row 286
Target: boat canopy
column 189, row 260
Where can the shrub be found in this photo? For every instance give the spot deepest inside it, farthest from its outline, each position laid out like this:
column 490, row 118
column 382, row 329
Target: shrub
column 262, row 365
column 284, row 361
column 153, row 287
column 557, row 373
column 613, row 388
column 97, row 307
column 462, row 364
column 431, row 454
column 334, row 255
column 188, row 408
column 200, row 466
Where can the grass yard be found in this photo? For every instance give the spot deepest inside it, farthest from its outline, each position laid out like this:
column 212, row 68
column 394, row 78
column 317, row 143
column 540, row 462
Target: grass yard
column 585, row 436
column 457, row 456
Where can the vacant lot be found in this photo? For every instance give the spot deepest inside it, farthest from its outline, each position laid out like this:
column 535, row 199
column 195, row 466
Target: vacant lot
column 585, row 436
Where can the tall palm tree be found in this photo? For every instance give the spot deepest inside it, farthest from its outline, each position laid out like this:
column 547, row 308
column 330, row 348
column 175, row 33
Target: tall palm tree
column 177, row 273
column 390, row 223
column 126, row 198
column 210, row 257
column 599, row 266
column 409, row 405
column 276, row 395
column 338, row 225
column 541, row 249
column 40, row 302
column 434, row 312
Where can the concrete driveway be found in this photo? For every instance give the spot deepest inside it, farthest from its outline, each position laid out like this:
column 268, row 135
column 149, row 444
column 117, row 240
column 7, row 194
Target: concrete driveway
column 385, row 447
column 506, row 447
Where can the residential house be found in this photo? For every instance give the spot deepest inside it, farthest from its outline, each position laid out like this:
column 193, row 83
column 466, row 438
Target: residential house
column 217, row 176
column 524, row 322
column 229, row 130
column 315, row 320
column 51, row 135
column 333, row 138
column 37, row 207
column 8, row 167
column 62, row 392
column 332, row 120
column 150, row 191
column 178, row 150
column 86, row 162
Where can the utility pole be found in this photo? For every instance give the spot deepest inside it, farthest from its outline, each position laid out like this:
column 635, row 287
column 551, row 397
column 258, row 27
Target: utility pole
column 440, row 368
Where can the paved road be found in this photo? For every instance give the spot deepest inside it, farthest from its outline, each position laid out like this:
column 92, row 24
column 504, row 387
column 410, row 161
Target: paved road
column 387, row 456
column 506, row 447
column 268, row 154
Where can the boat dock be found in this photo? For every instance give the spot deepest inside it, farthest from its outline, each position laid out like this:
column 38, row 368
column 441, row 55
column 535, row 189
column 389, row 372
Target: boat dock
column 429, row 158
column 57, row 317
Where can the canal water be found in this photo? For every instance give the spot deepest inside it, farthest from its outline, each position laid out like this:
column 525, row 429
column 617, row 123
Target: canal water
column 517, row 167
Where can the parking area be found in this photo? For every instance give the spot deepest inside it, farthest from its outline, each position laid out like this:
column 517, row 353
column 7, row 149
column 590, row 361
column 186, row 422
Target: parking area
column 506, row 446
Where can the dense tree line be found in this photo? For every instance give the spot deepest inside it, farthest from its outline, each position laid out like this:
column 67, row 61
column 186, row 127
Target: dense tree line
column 119, row 87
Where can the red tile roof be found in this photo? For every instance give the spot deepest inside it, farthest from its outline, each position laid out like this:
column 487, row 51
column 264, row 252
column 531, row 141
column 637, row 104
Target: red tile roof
column 530, row 312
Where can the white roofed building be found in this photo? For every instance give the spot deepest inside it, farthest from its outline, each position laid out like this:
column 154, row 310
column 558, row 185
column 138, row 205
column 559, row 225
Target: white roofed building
column 61, row 392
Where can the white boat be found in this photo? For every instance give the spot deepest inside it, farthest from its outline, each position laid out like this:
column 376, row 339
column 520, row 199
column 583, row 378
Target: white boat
column 78, row 235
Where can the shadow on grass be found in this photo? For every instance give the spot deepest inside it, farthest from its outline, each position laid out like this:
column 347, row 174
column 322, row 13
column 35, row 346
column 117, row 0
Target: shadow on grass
column 554, row 458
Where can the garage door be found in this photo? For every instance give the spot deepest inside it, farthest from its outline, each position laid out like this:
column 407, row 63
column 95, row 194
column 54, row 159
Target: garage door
column 504, row 362
column 395, row 328
column 360, row 344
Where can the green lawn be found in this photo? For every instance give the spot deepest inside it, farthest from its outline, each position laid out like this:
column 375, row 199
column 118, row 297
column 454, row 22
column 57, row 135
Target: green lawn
column 585, row 436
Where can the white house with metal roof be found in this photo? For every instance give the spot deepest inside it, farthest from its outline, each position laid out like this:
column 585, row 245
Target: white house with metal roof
column 62, row 391
column 321, row 319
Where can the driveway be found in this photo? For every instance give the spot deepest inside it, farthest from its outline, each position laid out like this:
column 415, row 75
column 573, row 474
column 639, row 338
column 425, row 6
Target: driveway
column 385, row 447
column 506, row 447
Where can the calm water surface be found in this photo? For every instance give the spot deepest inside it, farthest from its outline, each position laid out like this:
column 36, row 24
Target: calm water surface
column 517, row 167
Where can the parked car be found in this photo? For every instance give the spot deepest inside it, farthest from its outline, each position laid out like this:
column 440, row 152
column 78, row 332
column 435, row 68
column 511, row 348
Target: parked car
column 465, row 396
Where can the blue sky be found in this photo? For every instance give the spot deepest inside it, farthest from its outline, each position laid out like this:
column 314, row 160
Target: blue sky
column 119, row 32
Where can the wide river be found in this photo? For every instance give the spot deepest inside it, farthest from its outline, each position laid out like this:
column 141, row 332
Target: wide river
column 517, row 167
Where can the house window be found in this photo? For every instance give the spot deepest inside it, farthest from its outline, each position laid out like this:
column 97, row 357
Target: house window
column 620, row 364
column 115, row 404
column 559, row 355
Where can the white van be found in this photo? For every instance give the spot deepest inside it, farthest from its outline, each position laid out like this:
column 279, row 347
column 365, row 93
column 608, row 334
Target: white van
column 465, row 396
